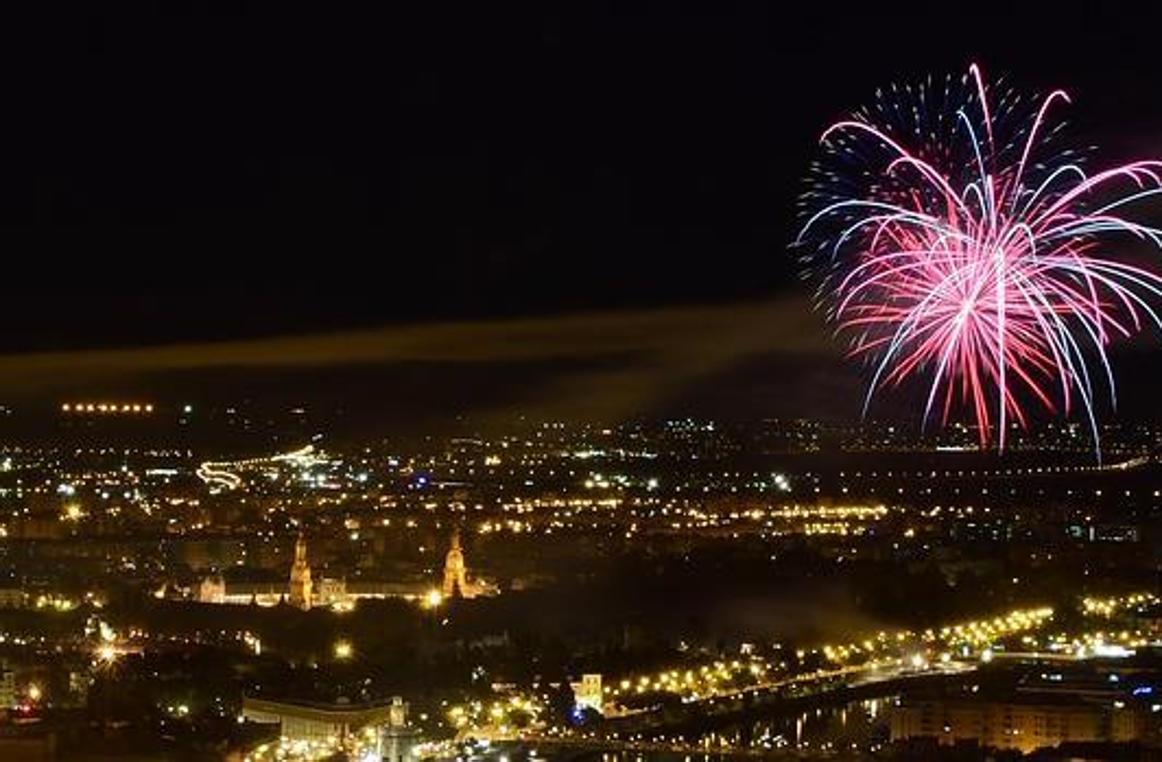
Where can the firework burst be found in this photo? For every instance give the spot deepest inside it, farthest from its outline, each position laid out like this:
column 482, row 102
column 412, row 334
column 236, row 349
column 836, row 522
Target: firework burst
column 955, row 242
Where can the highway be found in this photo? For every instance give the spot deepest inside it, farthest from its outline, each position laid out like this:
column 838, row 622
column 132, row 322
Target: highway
column 221, row 473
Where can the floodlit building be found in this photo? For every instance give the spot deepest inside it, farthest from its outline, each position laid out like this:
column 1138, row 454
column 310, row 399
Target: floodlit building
column 12, row 598
column 396, row 739
column 456, row 582
column 303, row 591
column 381, row 729
column 332, row 592
column 7, row 687
column 1041, row 710
column 455, row 571
column 588, row 694
column 212, row 589
column 299, row 594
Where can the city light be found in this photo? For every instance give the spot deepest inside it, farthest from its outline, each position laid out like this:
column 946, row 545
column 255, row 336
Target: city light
column 474, row 387
column 106, row 408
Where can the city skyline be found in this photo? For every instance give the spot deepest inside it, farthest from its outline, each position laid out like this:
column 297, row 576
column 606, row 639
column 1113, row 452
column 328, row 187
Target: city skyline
column 488, row 383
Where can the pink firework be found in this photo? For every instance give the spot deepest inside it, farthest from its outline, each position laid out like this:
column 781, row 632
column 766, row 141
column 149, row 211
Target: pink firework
column 958, row 245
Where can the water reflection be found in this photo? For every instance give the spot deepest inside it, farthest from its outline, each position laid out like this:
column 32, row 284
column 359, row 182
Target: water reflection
column 860, row 726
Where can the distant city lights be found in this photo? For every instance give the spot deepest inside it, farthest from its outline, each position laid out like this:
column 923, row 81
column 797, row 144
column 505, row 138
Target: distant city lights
column 107, row 408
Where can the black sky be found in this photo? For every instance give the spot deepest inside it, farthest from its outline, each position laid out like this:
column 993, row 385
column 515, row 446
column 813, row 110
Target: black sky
column 176, row 172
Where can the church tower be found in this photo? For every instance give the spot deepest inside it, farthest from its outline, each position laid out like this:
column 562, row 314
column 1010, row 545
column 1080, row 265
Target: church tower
column 455, row 574
column 300, row 577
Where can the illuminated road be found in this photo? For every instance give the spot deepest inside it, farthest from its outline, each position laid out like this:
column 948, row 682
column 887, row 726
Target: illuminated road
column 221, row 473
column 639, row 732
column 813, row 687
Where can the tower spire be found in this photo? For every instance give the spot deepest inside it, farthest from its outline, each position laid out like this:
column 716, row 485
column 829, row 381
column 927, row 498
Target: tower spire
column 299, row 592
column 455, row 571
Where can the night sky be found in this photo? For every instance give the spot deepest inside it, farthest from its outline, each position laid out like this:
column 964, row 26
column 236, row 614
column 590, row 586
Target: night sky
column 175, row 175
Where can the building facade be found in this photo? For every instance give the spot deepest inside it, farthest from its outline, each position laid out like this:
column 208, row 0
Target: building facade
column 588, row 693
column 1022, row 724
column 300, row 589
column 380, row 728
column 455, row 571
column 456, row 582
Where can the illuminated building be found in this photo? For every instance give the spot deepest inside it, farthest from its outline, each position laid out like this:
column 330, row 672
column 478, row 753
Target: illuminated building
column 7, row 687
column 12, row 598
column 588, row 694
column 299, row 593
column 396, row 738
column 456, row 582
column 379, row 728
column 1021, row 722
column 332, row 592
column 455, row 573
column 1149, row 619
column 212, row 589
column 327, row 591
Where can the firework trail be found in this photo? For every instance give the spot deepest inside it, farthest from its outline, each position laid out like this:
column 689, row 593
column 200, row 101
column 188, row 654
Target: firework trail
column 954, row 242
